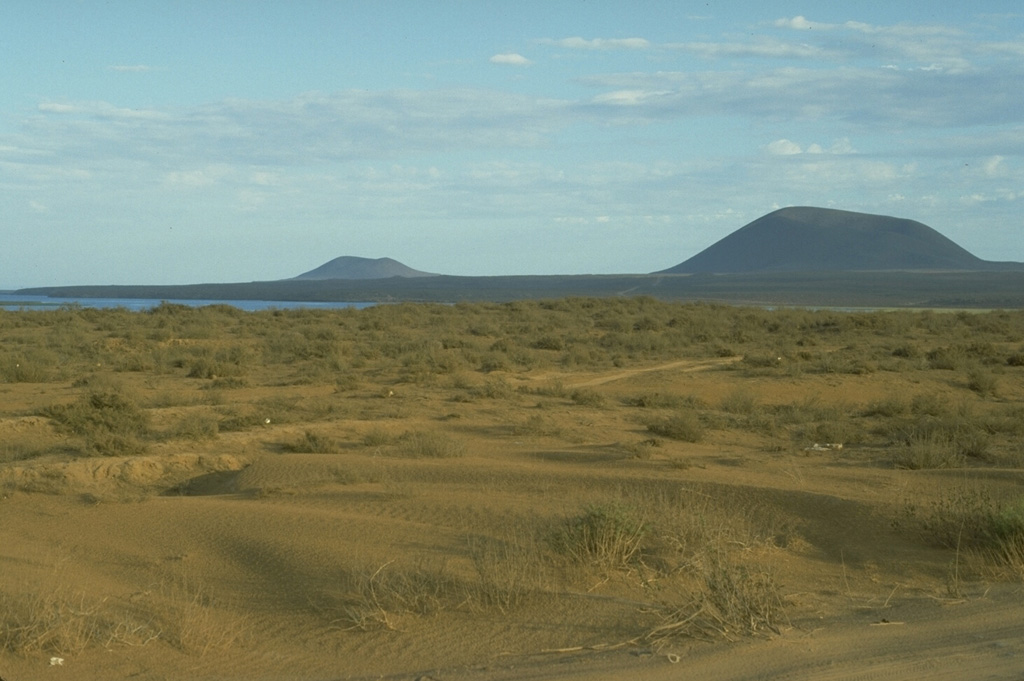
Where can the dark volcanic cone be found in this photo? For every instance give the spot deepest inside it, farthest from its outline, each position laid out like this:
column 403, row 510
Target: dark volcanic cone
column 801, row 239
column 351, row 267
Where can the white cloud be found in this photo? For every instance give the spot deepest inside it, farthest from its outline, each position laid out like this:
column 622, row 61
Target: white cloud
column 511, row 58
column 994, row 166
column 577, row 43
column 784, row 147
column 629, row 97
column 308, row 129
column 859, row 96
column 760, row 47
column 202, row 177
column 800, row 23
column 98, row 110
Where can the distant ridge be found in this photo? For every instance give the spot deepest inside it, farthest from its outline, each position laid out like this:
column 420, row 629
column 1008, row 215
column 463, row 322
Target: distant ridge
column 351, row 267
column 804, row 239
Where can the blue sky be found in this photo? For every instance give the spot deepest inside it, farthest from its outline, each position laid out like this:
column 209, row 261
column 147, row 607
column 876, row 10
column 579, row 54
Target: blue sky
column 180, row 142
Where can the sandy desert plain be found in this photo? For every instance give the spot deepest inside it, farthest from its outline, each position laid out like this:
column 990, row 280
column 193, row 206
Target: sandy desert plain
column 567, row 489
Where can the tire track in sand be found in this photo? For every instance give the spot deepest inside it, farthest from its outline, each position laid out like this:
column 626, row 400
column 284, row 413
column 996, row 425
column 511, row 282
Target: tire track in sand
column 683, row 365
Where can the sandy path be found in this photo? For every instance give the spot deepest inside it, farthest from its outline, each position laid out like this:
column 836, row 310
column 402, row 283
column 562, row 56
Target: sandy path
column 979, row 638
column 685, row 365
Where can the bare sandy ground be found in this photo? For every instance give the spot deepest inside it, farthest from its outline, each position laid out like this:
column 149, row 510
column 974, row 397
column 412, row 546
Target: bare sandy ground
column 237, row 557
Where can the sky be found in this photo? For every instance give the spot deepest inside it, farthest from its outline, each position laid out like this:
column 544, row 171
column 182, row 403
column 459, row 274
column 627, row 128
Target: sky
column 179, row 141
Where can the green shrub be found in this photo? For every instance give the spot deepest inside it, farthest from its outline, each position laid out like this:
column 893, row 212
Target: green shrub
column 110, row 423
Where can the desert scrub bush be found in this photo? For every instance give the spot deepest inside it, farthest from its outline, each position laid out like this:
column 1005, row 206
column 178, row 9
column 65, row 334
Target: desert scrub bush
column 231, row 383
column 18, row 451
column 58, row 620
column 31, row 365
column 510, row 569
column 495, row 389
column 109, row 422
column 212, row 367
column 378, row 437
column 587, row 398
column 924, row 451
column 663, row 401
column 313, row 442
column 684, row 425
column 538, row 425
column 942, row 442
column 981, row 380
column 195, row 425
column 554, row 388
column 762, row 360
column 843, row 362
column 375, row 599
column 929, row 404
column 890, row 406
column 51, row 622
column 195, row 625
column 725, row 599
column 236, row 419
column 906, row 351
column 643, row 450
column 739, row 401
column 608, row 535
column 429, row 445
column 970, row 518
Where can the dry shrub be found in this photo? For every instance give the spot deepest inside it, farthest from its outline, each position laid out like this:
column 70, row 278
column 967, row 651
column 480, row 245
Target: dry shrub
column 381, row 598
column 510, row 569
column 684, row 426
column 705, row 542
column 378, row 437
column 194, row 625
column 109, row 421
column 429, row 445
column 726, row 599
column 56, row 619
column 313, row 442
column 608, row 535
column 587, row 397
column 195, row 425
column 739, row 401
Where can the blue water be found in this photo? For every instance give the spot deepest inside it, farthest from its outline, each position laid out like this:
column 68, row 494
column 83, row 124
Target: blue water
column 13, row 301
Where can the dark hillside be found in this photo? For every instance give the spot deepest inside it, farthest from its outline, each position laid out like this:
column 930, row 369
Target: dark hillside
column 351, row 267
column 801, row 239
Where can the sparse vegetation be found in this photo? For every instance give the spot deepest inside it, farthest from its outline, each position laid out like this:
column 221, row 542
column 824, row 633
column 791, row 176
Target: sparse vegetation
column 486, row 459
